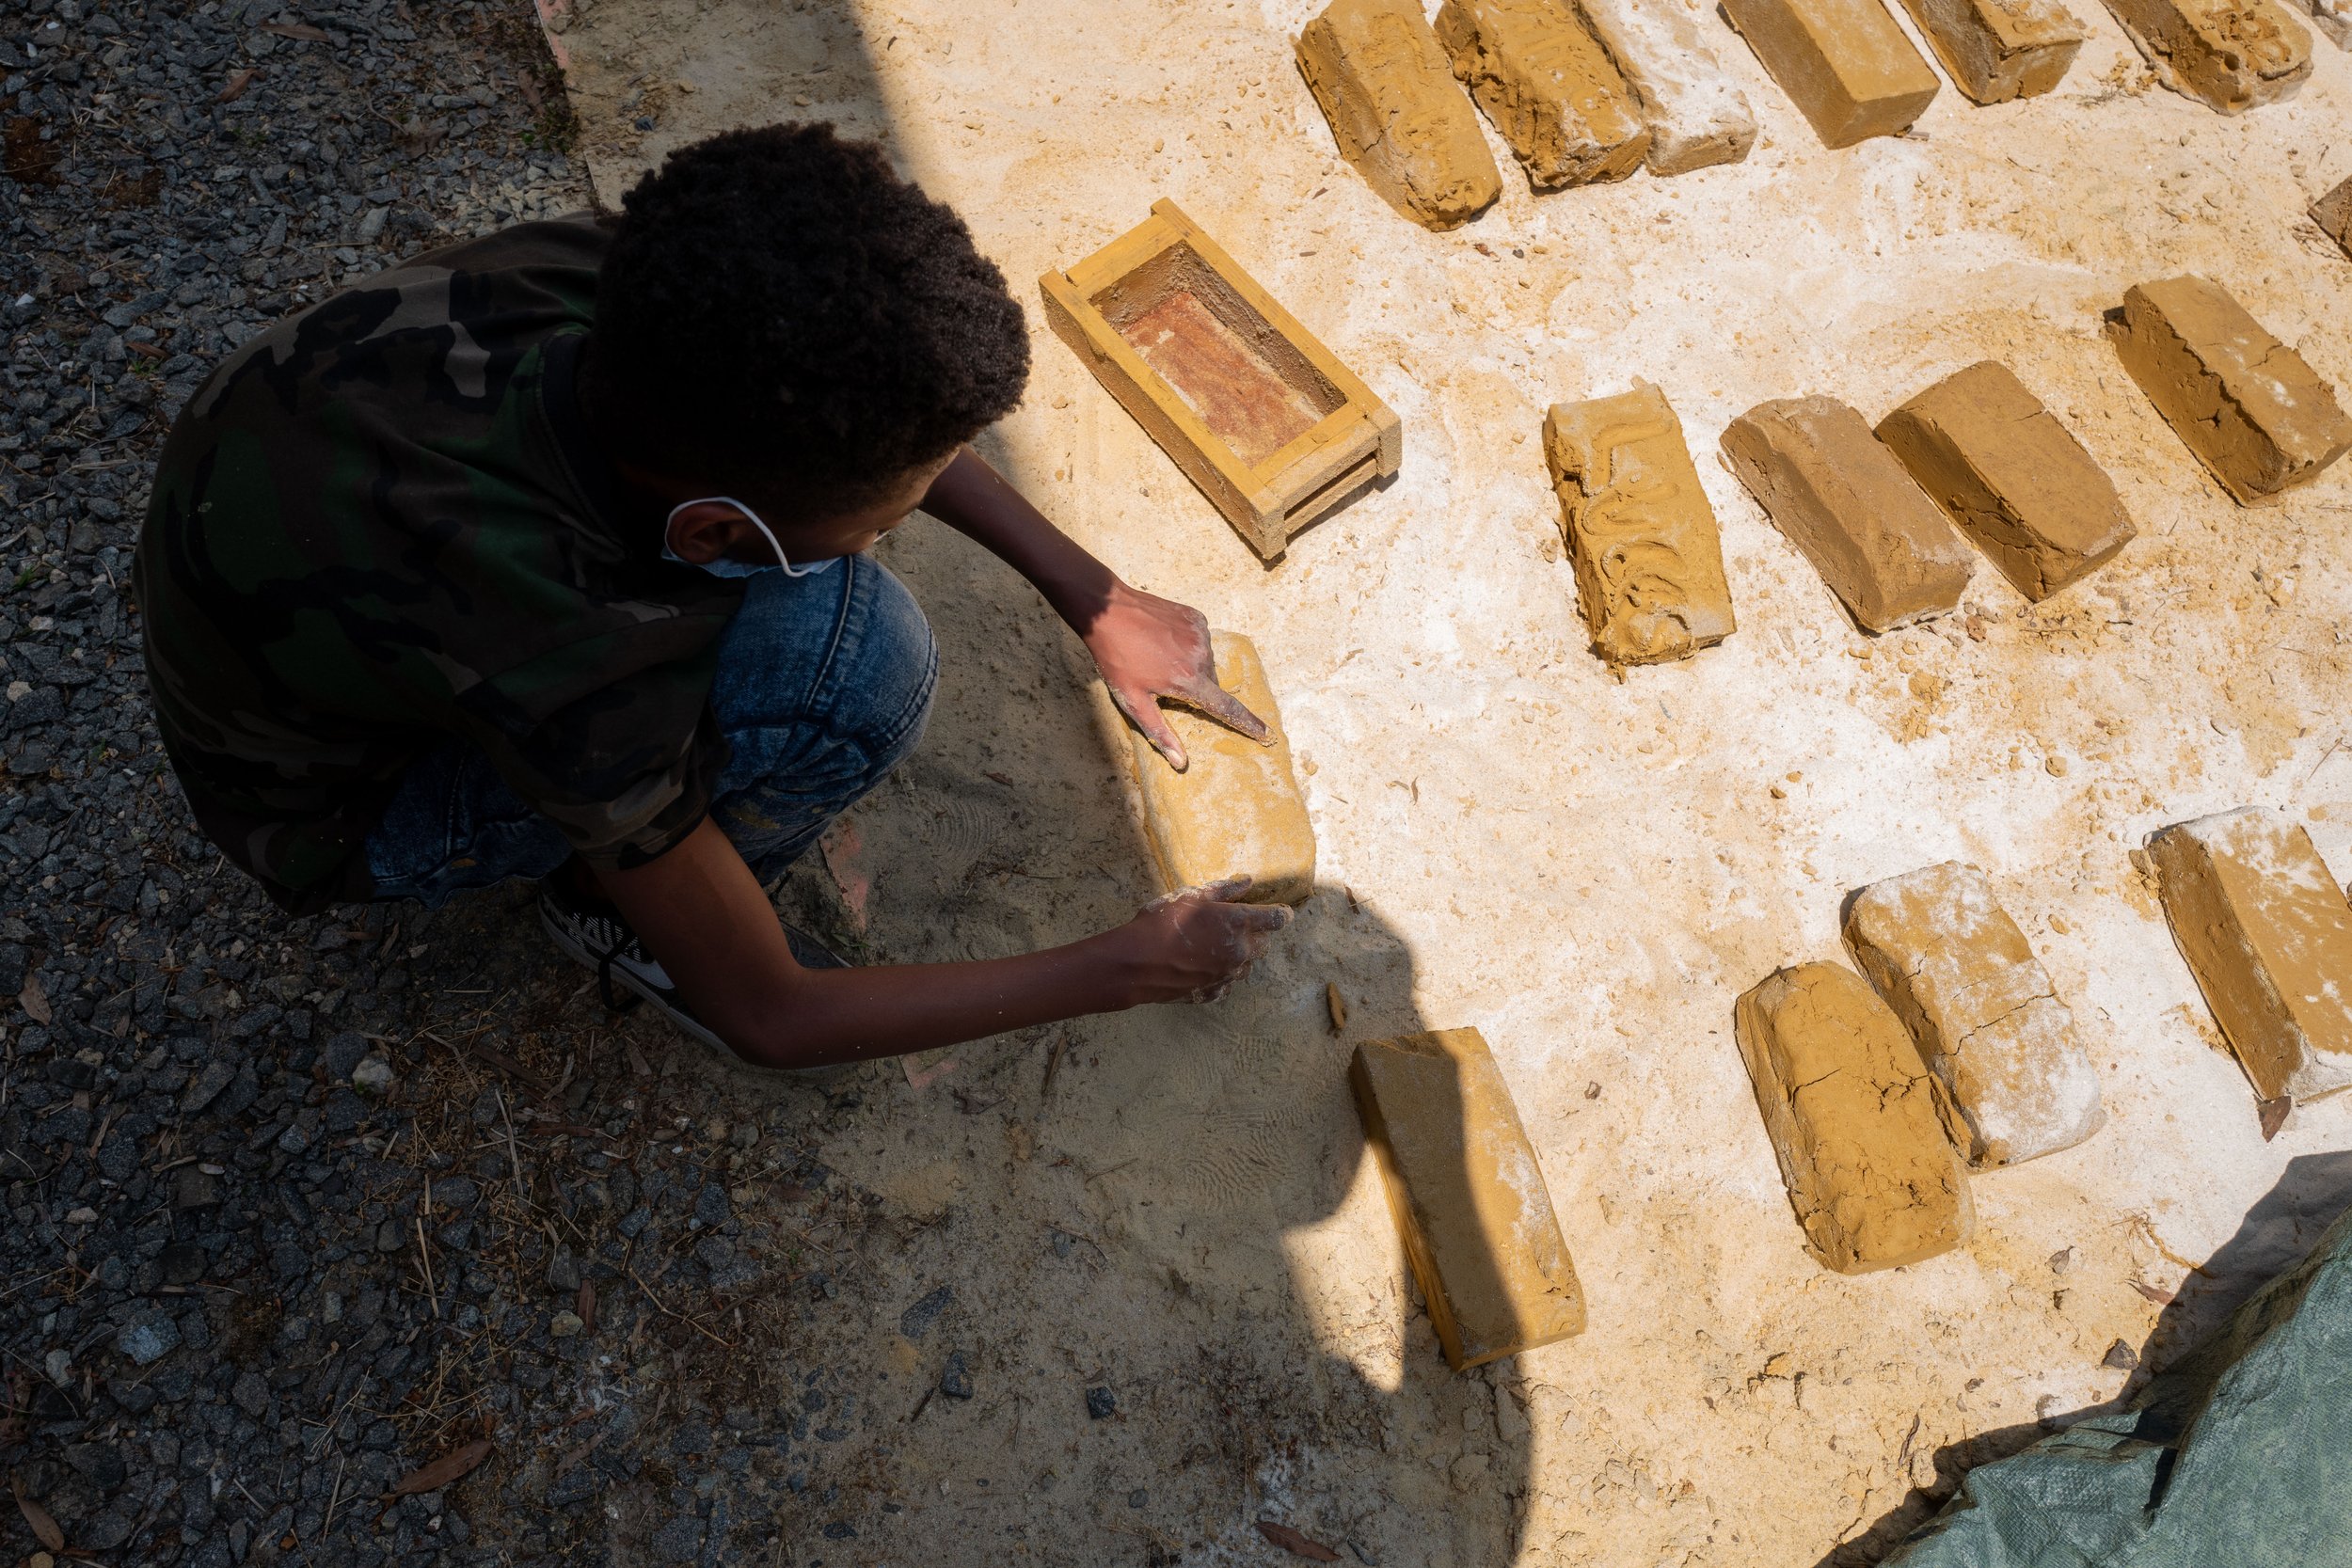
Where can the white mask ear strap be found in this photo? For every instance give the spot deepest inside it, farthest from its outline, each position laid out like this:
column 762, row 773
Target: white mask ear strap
column 765, row 532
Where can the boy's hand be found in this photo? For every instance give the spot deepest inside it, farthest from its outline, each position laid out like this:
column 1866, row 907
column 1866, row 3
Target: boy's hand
column 1149, row 648
column 1194, row 943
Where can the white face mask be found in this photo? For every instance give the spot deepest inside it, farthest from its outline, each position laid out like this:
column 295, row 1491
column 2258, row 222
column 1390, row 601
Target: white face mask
column 723, row 567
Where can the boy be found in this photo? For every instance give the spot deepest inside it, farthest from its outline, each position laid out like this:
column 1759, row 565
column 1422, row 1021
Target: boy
column 540, row 556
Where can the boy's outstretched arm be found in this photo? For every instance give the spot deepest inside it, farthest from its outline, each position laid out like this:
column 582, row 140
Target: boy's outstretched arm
column 1146, row 647
column 701, row 913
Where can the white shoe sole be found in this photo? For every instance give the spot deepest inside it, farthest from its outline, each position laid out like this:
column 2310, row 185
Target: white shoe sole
column 684, row 1023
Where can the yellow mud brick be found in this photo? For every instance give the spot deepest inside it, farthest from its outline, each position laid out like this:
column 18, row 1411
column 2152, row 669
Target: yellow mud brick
column 2254, row 413
column 1396, row 111
column 1650, row 562
column 1854, row 1120
column 1235, row 809
column 1480, row 1234
column 2268, row 935
column 2010, row 476
column 1981, row 1009
column 1548, row 86
column 1846, row 63
column 2234, row 53
column 1697, row 113
column 1997, row 50
column 1885, row 549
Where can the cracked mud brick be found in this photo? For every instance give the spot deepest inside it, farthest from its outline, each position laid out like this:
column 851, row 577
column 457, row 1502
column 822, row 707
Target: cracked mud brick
column 1997, row 50
column 1650, row 562
column 1982, row 1011
column 2268, row 935
column 1697, row 113
column 1854, row 1120
column 1886, row 550
column 2333, row 213
column 1847, row 64
column 1548, row 86
column 1480, row 1234
column 2255, row 413
column 2234, row 55
column 1396, row 112
column 2010, row 477
column 1235, row 810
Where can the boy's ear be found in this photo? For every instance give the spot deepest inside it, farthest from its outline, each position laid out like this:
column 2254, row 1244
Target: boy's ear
column 703, row 533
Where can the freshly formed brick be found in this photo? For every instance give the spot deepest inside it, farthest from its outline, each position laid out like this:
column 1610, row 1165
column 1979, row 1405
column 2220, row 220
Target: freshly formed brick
column 1396, row 112
column 1854, row 1120
column 2011, row 477
column 1845, row 62
column 2247, row 404
column 1988, row 1024
column 1997, row 50
column 1548, row 86
column 2333, row 213
column 1480, row 1234
column 1650, row 562
column 1695, row 112
column 2268, row 935
column 1841, row 497
column 1235, row 810
column 2234, row 53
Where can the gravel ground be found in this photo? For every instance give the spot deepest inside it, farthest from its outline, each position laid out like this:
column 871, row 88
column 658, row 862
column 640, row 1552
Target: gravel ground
column 366, row 1237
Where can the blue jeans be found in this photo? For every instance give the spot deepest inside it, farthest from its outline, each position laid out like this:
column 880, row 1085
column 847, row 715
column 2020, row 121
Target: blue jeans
column 824, row 685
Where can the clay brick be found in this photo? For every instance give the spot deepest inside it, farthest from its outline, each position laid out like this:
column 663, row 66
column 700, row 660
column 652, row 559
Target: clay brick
column 1845, row 62
column 1650, row 562
column 2331, row 17
column 2233, row 54
column 1235, row 809
column 1252, row 407
column 2333, row 213
column 1480, row 1234
column 2011, row 477
column 2268, row 935
column 1697, row 113
column 1885, row 549
column 1395, row 111
column 1988, row 1024
column 1997, row 50
column 1548, row 86
column 1854, row 1121
column 2247, row 404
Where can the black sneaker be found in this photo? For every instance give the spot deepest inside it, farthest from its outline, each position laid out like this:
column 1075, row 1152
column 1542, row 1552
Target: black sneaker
column 596, row 937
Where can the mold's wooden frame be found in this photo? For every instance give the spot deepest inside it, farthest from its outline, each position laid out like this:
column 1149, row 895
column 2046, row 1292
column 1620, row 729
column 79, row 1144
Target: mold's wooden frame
column 1267, row 502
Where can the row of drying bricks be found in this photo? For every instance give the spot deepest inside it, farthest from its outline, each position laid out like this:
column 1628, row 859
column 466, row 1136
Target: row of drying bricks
column 1875, row 1107
column 1589, row 90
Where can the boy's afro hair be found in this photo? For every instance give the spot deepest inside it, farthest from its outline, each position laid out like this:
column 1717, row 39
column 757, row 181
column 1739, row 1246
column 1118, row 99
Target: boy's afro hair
column 779, row 307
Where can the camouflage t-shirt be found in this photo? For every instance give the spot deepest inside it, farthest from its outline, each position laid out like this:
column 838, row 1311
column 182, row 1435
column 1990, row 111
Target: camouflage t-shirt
column 384, row 524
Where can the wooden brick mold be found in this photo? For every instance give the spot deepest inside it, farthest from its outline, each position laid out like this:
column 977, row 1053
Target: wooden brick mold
column 2254, row 413
column 1885, row 549
column 2333, row 213
column 2010, row 476
column 1480, row 1234
column 1846, row 64
column 1855, row 1120
column 2233, row 54
column 1259, row 415
column 1235, row 809
column 1396, row 111
column 1650, row 562
column 1549, row 87
column 1988, row 1024
column 1997, row 50
column 2268, row 935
